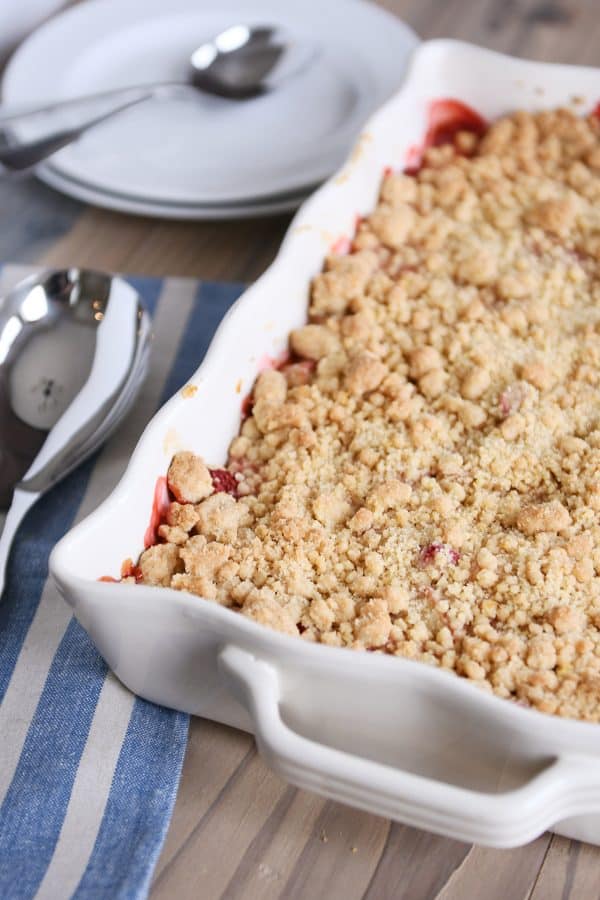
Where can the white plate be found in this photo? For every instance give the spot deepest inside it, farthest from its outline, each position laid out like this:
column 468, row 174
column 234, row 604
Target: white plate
column 17, row 19
column 207, row 150
column 251, row 209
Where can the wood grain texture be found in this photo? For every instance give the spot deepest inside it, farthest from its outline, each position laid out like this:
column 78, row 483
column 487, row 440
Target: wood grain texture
column 571, row 870
column 238, row 832
column 230, row 251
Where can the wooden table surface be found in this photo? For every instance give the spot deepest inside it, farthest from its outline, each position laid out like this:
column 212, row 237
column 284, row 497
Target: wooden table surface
column 238, row 831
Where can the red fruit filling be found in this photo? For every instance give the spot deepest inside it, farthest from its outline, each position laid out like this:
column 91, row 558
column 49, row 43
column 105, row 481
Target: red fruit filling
column 129, row 570
column 342, row 246
column 429, row 553
column 224, row 482
column 446, row 118
column 511, row 398
column 160, row 506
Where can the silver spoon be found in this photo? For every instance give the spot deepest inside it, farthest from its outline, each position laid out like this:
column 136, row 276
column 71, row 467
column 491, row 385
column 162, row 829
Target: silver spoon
column 239, row 63
column 74, row 348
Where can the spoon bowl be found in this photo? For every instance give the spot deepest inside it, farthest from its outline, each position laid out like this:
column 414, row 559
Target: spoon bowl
column 245, row 61
column 47, row 335
column 73, row 354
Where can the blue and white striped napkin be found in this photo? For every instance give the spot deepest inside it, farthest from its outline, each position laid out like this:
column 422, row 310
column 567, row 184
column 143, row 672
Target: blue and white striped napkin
column 88, row 772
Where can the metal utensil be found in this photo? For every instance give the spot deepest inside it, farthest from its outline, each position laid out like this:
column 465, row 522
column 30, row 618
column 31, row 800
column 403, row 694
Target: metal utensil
column 239, row 63
column 74, row 348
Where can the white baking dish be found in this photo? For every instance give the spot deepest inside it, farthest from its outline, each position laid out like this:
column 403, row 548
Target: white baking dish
column 392, row 736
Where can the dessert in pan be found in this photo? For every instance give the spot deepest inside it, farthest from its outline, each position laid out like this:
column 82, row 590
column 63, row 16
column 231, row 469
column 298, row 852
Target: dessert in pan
column 419, row 477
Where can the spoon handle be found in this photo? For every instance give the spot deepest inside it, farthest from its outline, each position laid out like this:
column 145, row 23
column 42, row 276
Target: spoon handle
column 12, row 114
column 17, row 156
column 22, row 501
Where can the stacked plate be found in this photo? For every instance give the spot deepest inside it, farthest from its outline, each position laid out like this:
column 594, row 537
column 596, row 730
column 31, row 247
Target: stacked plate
column 17, row 19
column 205, row 157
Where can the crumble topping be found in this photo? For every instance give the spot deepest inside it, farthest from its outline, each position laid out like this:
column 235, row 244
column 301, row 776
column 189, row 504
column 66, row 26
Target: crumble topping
column 188, row 479
column 422, row 478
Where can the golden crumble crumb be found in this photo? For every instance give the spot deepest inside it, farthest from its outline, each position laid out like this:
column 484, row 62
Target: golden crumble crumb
column 421, row 478
column 158, row 564
column 364, row 373
column 314, row 341
column 219, row 517
column 424, row 360
column 538, row 375
column 361, row 520
column 393, row 224
column 172, row 534
column 388, row 495
column 432, row 383
column 475, row 383
column 264, row 608
column 270, row 387
column 182, row 515
column 188, row 478
column 564, row 619
column 344, row 281
column 554, row 216
column 373, row 624
column 543, row 517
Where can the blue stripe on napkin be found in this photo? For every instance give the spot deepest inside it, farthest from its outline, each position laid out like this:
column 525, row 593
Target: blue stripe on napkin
column 36, row 802
column 215, row 299
column 133, row 824
column 140, row 804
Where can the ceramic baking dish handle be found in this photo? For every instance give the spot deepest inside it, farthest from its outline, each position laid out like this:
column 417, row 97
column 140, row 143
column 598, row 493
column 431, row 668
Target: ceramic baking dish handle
column 567, row 787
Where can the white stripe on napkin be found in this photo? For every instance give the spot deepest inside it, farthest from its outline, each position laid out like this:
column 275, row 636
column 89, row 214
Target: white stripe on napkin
column 90, row 791
column 53, row 615
column 27, row 682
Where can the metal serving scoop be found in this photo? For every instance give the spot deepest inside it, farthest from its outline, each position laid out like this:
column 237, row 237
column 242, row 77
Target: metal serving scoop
column 239, row 63
column 74, row 348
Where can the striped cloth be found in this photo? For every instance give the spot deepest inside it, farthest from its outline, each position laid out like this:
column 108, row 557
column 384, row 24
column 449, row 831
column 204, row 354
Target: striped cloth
column 88, row 772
